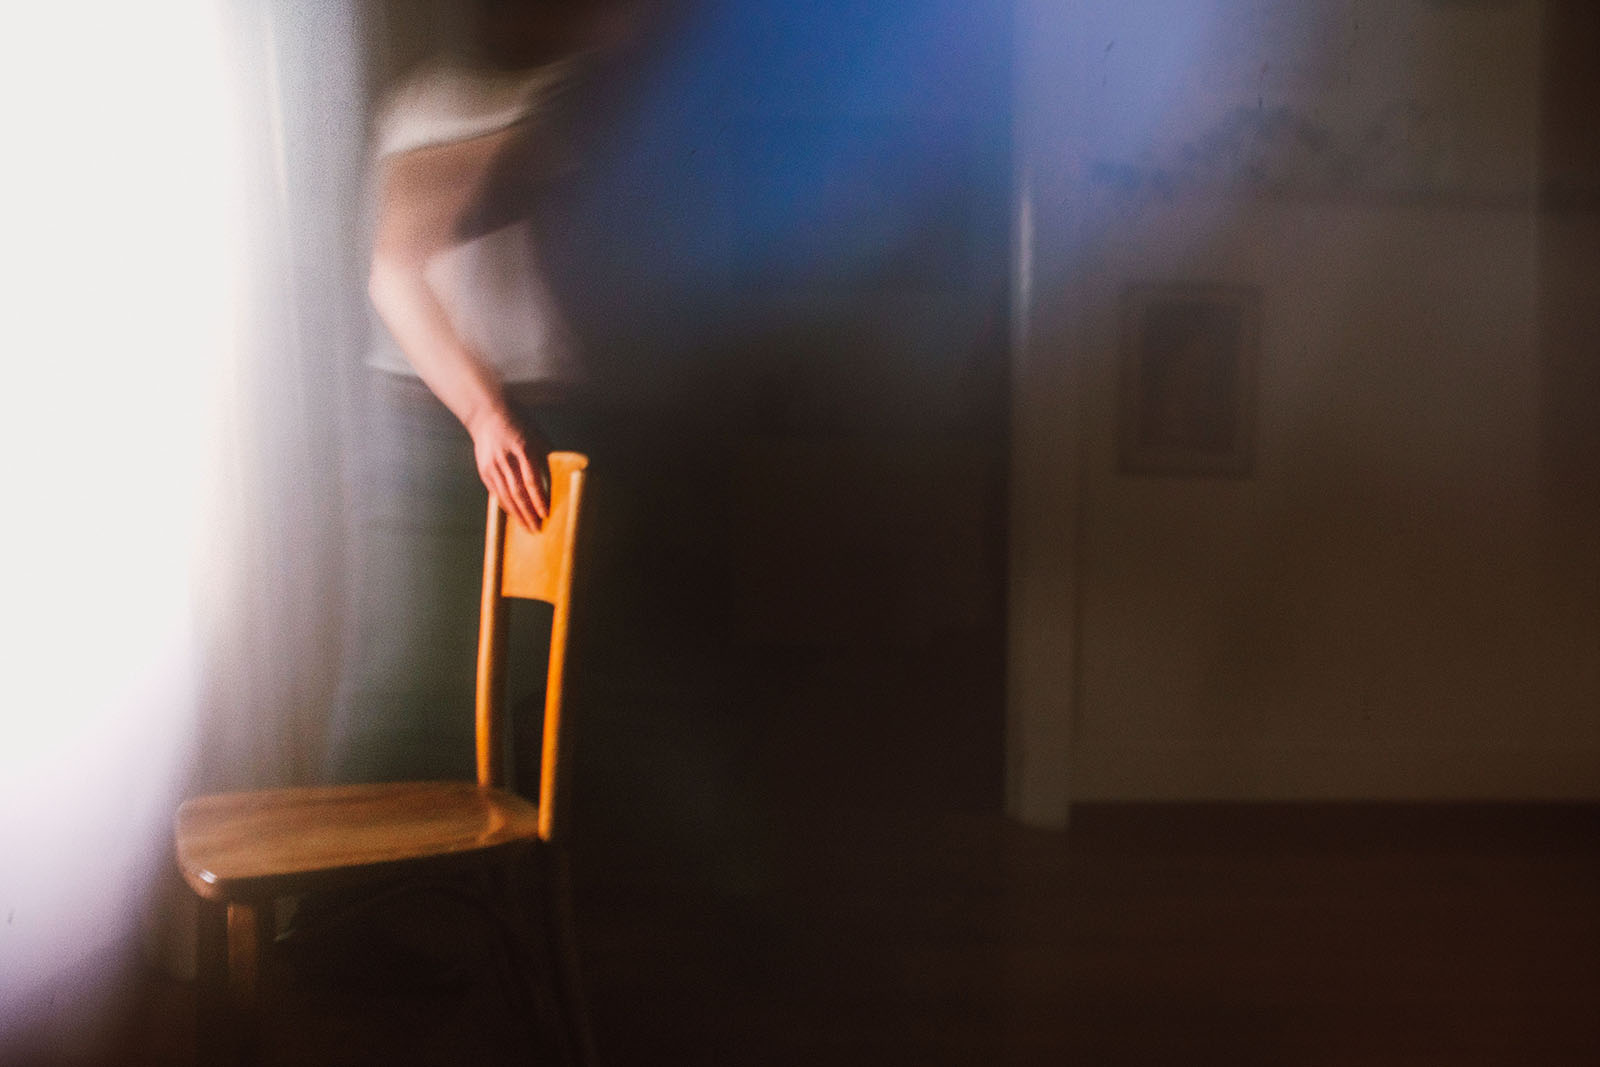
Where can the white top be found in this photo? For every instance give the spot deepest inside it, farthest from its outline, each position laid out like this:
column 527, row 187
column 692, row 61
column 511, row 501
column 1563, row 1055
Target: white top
column 492, row 286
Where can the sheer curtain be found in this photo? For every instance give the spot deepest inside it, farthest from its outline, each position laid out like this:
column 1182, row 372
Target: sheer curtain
column 275, row 583
column 182, row 296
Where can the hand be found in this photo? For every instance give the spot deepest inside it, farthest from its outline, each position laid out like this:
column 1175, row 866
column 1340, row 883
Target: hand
column 511, row 461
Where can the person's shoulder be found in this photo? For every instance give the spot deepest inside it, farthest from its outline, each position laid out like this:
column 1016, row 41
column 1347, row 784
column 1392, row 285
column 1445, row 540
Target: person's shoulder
column 432, row 104
column 441, row 103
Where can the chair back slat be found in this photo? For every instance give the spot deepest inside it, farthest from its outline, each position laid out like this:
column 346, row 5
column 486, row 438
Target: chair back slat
column 530, row 565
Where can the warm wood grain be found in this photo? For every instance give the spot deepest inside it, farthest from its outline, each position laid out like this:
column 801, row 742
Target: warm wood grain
column 246, row 845
column 529, row 565
column 232, row 936
column 563, row 523
column 239, row 850
column 491, row 677
column 537, row 563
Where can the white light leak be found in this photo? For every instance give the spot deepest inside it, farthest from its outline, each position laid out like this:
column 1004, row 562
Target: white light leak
column 120, row 236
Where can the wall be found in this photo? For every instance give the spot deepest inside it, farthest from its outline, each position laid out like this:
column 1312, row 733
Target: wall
column 1386, row 607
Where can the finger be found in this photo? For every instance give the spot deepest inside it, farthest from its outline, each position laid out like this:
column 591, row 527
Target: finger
column 528, row 481
column 537, row 476
column 496, row 485
column 541, row 478
column 518, row 491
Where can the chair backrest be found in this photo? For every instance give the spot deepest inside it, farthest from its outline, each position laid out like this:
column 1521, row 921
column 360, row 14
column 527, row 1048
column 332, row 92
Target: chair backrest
column 530, row 565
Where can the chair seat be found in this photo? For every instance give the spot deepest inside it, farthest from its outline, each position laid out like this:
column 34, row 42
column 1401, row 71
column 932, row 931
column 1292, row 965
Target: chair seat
column 234, row 846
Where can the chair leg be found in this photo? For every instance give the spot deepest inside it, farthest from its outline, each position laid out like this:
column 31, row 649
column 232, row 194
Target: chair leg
column 230, row 944
column 539, row 909
column 561, row 931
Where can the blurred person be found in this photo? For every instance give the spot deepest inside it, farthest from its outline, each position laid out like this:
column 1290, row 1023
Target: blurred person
column 474, row 375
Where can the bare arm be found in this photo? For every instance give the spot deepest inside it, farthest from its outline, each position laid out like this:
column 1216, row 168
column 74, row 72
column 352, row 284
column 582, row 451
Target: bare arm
column 423, row 195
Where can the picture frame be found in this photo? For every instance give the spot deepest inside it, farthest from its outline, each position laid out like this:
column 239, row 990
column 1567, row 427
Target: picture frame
column 1189, row 361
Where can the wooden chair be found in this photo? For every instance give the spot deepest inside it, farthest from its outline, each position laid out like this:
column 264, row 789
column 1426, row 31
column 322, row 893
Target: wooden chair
column 241, row 851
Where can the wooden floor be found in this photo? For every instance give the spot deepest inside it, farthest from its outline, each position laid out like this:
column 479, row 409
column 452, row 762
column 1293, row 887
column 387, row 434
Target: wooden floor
column 1149, row 935
column 1294, row 936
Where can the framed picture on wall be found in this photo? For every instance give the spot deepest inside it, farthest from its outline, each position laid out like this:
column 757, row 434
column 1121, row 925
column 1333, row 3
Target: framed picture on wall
column 1188, row 379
